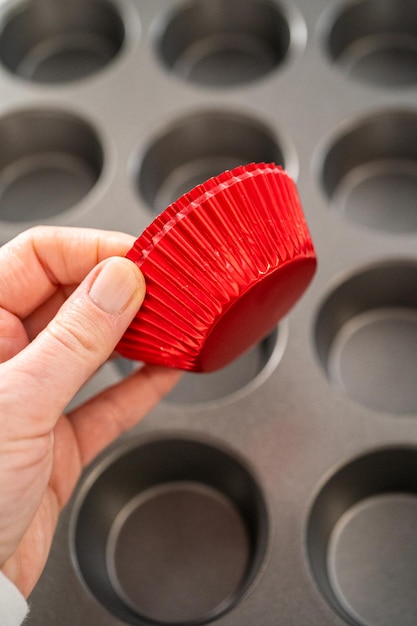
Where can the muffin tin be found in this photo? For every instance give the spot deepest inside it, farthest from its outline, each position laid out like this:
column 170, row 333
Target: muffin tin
column 282, row 490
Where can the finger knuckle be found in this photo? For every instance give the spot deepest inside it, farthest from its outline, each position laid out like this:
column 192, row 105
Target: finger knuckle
column 76, row 335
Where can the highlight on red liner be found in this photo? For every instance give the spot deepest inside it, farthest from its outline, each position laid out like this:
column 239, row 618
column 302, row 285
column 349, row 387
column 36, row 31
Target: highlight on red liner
column 223, row 264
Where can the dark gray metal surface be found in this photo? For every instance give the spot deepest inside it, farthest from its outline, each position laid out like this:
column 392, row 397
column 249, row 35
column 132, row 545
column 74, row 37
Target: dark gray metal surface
column 307, row 486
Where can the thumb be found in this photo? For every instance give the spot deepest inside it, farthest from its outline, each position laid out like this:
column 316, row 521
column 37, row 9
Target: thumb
column 79, row 339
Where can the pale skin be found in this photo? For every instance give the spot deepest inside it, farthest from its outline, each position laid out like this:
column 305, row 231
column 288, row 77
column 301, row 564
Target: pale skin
column 58, row 324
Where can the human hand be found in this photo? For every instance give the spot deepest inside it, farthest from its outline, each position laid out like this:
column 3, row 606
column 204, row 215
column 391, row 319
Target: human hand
column 61, row 315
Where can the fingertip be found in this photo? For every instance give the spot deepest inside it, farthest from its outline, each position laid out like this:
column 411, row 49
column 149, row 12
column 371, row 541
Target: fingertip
column 118, row 285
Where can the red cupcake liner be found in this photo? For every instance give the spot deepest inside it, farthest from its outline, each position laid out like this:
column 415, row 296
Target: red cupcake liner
column 223, row 264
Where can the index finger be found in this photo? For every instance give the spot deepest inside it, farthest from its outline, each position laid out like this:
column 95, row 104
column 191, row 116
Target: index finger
column 106, row 416
column 38, row 261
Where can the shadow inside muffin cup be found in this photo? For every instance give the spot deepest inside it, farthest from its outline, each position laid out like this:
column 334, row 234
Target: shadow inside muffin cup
column 361, row 539
column 224, row 44
column 49, row 161
column 54, row 42
column 169, row 530
column 374, row 41
column 201, row 145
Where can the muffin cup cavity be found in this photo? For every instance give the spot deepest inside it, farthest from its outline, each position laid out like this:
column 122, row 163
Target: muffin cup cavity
column 171, row 530
column 366, row 337
column 202, row 145
column 50, row 160
column 50, row 42
column 361, row 539
column 375, row 42
column 216, row 44
column 369, row 172
column 240, row 377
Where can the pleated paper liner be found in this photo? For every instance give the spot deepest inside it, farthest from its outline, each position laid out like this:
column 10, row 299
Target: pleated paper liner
column 223, row 264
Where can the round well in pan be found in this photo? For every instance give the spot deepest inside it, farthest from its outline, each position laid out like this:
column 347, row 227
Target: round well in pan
column 49, row 161
column 375, row 41
column 366, row 337
column 223, row 44
column 202, row 145
column 369, row 172
column 171, row 530
column 243, row 374
column 54, row 41
column 362, row 540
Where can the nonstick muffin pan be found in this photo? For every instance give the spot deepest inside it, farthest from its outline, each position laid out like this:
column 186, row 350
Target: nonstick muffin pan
column 281, row 490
